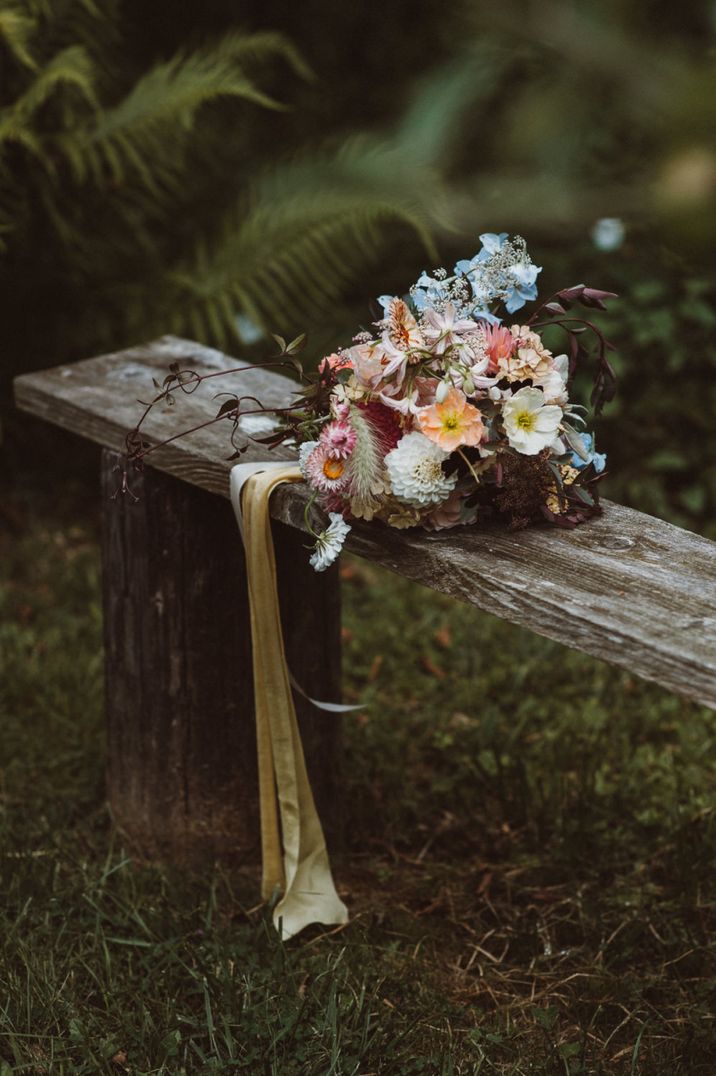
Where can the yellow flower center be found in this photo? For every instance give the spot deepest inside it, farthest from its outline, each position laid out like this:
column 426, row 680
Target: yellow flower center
column 451, row 422
column 333, row 469
column 525, row 420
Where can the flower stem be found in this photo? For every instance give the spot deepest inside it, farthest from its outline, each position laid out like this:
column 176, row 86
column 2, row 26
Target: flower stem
column 471, row 469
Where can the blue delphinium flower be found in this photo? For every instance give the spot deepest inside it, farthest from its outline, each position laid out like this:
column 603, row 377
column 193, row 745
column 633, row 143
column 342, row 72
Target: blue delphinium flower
column 597, row 459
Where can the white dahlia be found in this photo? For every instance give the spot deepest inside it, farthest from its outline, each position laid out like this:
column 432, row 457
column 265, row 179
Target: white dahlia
column 415, row 470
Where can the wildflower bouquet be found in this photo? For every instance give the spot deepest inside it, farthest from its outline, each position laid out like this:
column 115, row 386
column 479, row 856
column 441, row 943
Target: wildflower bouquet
column 446, row 415
column 451, row 412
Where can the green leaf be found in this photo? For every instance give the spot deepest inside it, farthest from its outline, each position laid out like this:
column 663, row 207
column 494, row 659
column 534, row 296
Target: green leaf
column 574, row 441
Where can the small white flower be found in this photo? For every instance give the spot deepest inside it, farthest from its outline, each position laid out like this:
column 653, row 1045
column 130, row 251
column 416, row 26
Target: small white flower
column 441, row 391
column 530, row 423
column 415, row 470
column 330, row 542
column 304, row 452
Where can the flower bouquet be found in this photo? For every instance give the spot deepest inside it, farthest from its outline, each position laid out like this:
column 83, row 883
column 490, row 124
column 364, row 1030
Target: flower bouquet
column 452, row 411
column 446, row 415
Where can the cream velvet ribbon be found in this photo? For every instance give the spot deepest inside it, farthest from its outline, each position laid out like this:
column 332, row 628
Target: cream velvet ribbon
column 303, row 871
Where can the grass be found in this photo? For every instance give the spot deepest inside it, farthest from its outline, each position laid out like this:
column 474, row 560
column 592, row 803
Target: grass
column 530, row 865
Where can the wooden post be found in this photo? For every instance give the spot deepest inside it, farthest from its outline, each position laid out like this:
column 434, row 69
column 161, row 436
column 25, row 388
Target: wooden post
column 179, row 697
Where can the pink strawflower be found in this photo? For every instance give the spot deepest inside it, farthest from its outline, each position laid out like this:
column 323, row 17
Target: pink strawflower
column 324, row 472
column 339, row 439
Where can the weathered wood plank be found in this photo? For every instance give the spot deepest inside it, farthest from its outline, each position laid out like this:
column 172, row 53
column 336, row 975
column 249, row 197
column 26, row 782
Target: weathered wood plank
column 628, row 588
column 100, row 399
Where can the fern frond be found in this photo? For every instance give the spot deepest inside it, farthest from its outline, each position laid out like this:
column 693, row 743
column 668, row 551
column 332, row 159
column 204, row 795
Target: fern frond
column 147, row 132
column 70, row 68
column 17, row 29
column 257, row 49
column 308, row 228
column 434, row 123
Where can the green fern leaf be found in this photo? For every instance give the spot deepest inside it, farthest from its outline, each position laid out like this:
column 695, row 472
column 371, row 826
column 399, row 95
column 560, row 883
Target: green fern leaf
column 16, row 31
column 147, row 132
column 288, row 253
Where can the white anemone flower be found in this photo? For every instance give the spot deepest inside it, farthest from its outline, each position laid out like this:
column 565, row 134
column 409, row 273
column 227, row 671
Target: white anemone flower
column 415, row 471
column 530, row 423
column 330, row 542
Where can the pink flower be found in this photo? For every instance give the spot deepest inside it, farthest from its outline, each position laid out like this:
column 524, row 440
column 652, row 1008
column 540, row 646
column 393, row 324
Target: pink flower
column 378, row 363
column 336, row 361
column 339, row 439
column 499, row 346
column 446, row 515
column 324, row 472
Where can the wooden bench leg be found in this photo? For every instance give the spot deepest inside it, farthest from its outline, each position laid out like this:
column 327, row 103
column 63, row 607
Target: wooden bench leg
column 182, row 781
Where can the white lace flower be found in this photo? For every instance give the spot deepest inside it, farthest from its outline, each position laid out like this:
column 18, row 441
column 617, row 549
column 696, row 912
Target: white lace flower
column 330, row 542
column 415, row 470
column 530, row 423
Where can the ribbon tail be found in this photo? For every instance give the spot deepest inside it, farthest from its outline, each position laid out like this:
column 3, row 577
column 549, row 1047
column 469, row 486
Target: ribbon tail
column 329, row 707
column 309, row 894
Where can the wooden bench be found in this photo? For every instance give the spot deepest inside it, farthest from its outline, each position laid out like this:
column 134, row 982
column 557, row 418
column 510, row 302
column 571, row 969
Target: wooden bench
column 628, row 588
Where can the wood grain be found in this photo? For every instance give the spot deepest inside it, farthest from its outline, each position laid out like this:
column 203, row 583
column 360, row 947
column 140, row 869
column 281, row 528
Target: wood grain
column 182, row 774
column 628, row 588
